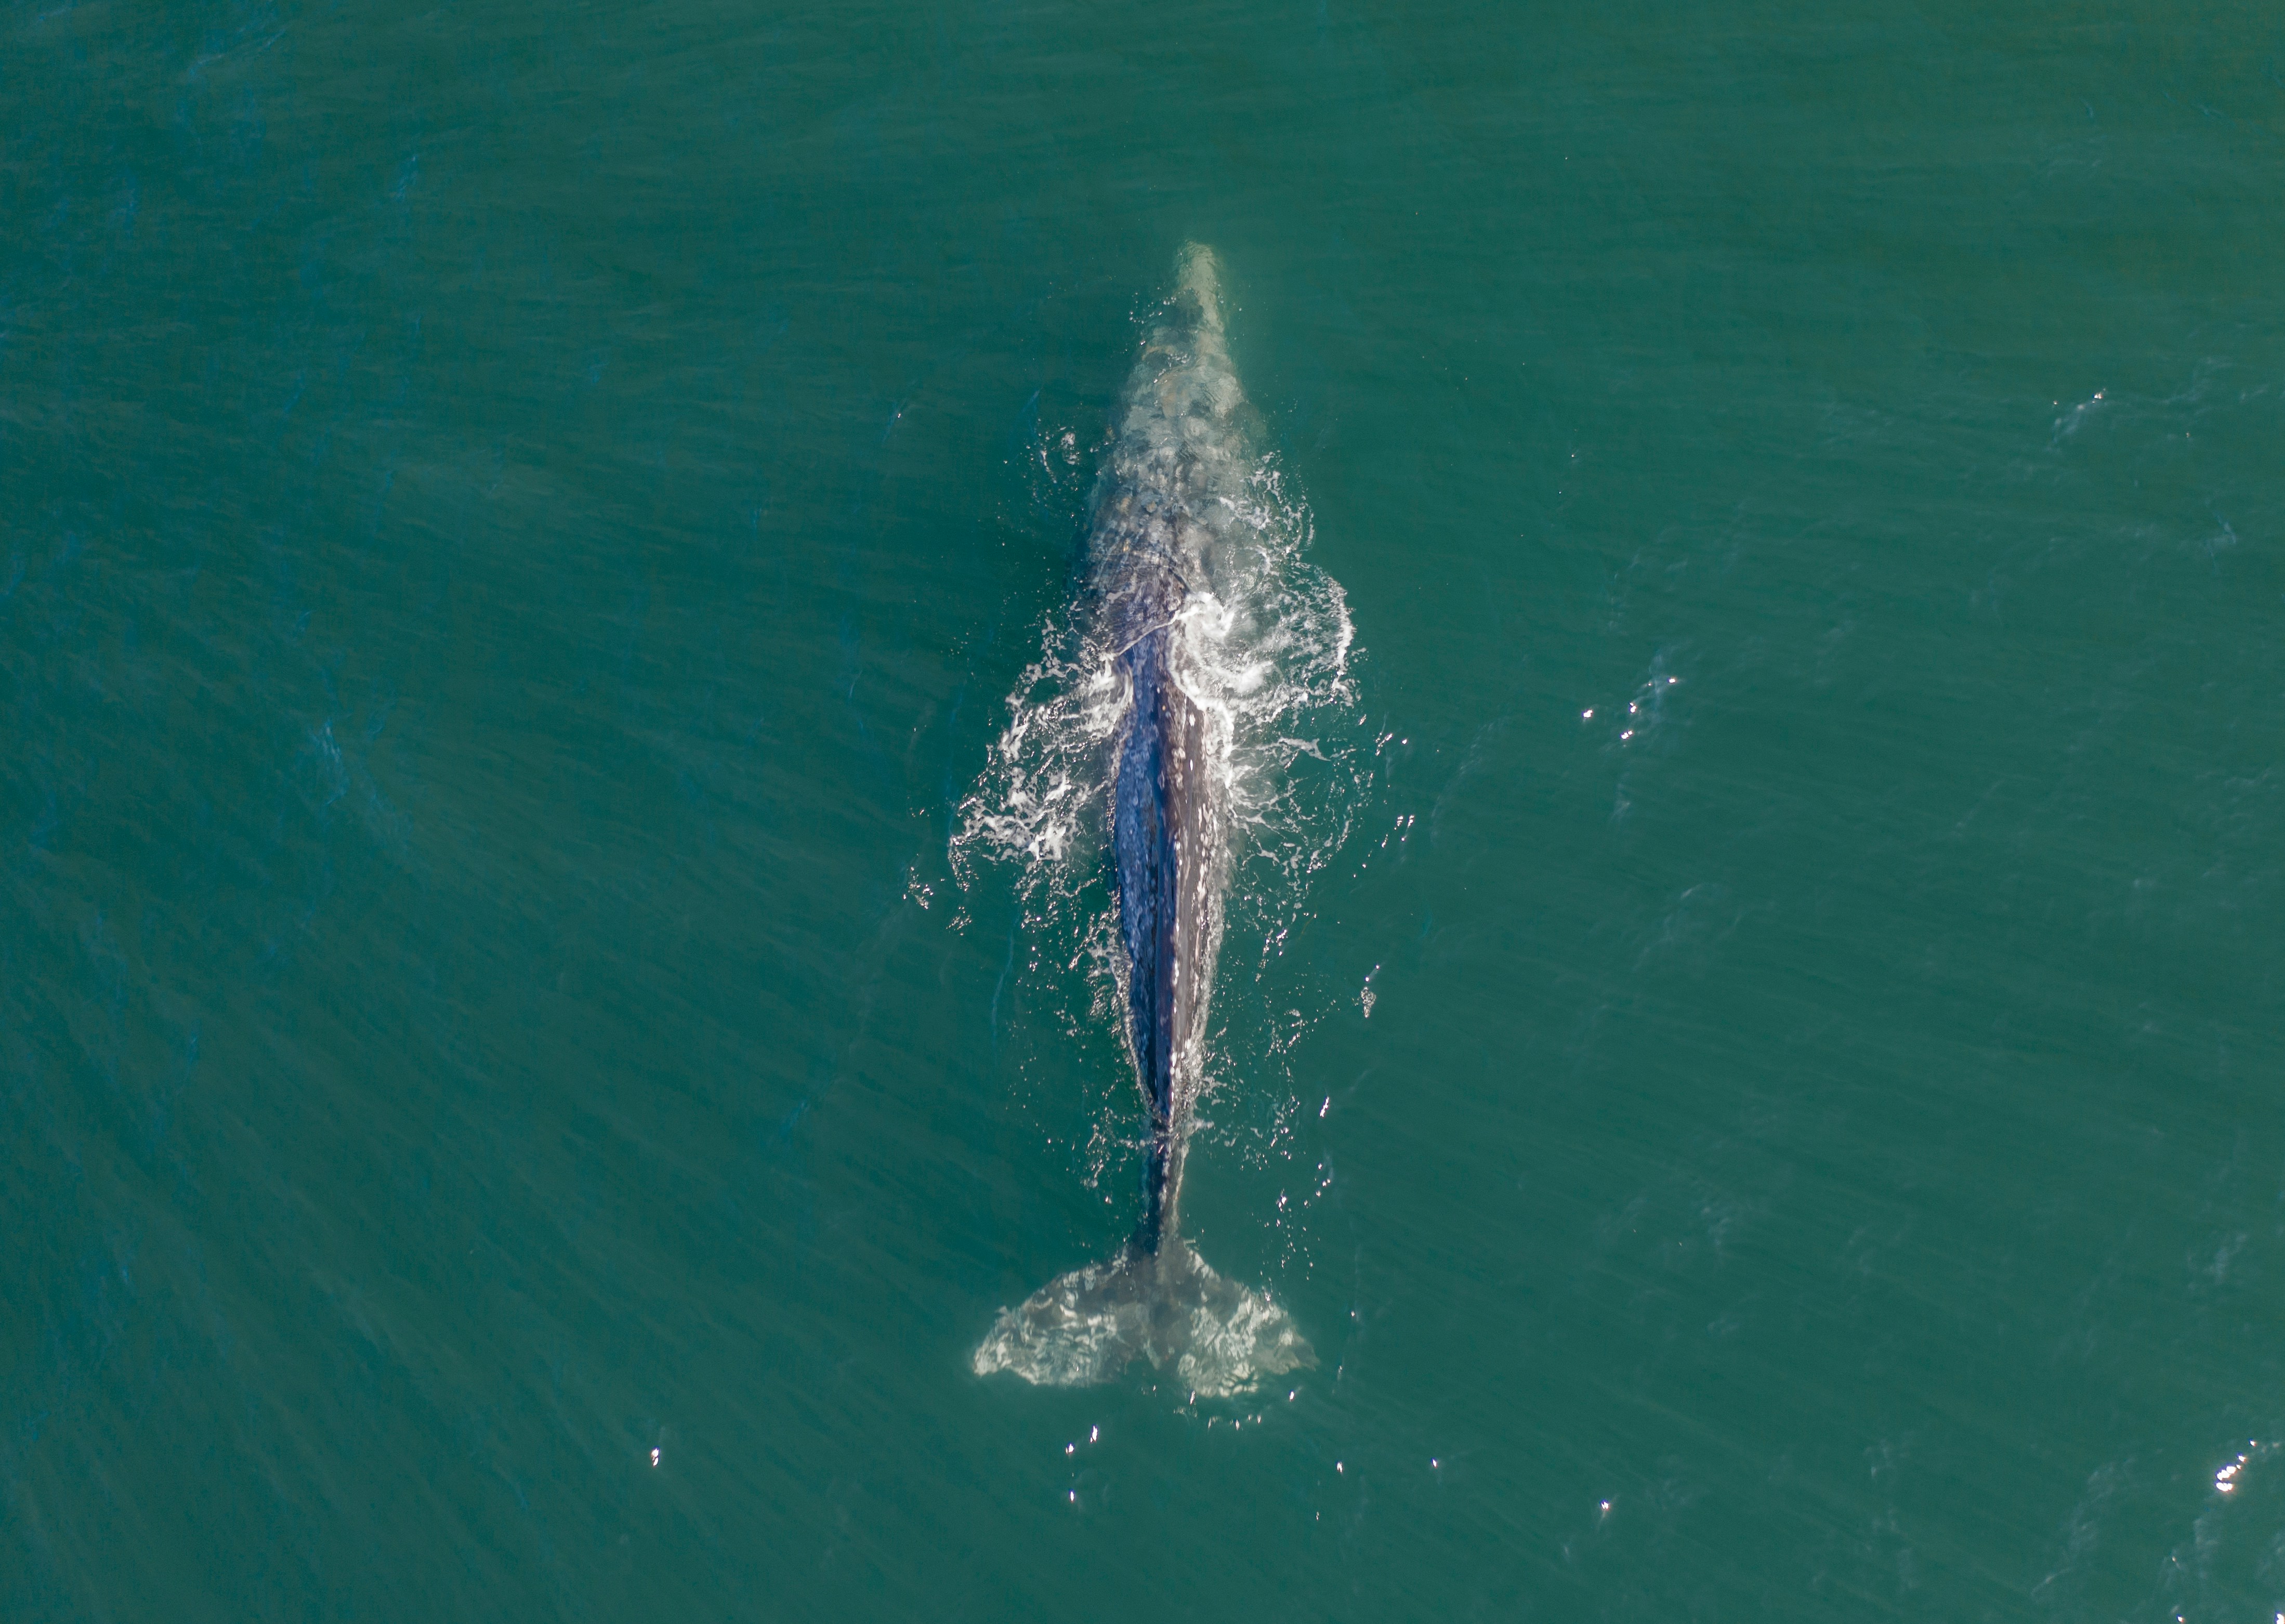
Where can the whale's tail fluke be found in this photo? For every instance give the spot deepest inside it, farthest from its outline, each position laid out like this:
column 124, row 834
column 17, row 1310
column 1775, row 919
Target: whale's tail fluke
column 1218, row 1338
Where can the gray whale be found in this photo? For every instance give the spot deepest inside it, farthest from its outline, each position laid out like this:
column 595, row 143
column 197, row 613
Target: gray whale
column 1177, row 462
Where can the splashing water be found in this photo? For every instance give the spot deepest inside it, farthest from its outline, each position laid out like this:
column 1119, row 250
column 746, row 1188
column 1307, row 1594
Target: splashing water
column 1268, row 653
column 1265, row 651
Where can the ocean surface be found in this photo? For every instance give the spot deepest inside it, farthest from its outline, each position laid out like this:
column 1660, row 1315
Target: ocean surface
column 535, row 543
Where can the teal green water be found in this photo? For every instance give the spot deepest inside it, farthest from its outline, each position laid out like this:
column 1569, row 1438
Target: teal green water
column 517, row 534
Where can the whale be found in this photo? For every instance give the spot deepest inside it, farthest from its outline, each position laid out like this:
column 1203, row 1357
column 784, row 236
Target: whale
column 1177, row 460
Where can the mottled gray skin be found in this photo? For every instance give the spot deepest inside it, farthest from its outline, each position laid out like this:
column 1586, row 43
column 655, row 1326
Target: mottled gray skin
column 1175, row 464
column 1167, row 837
column 1156, row 519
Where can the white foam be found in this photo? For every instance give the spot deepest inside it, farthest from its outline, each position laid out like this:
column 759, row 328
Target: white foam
column 1266, row 648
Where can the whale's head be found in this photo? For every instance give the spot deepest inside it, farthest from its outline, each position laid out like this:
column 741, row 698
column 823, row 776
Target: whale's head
column 1197, row 284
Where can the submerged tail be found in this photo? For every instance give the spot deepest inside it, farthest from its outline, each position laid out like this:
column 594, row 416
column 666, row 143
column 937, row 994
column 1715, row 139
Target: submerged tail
column 1166, row 1306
